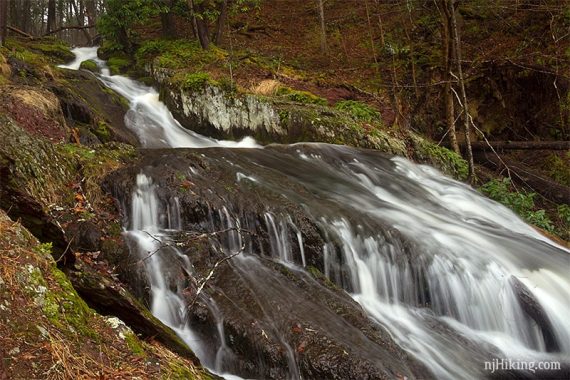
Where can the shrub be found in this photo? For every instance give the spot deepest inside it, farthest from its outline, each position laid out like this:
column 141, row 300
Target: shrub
column 520, row 202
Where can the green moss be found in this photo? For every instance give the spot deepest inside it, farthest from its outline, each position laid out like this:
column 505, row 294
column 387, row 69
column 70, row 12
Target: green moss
column 89, row 65
column 195, row 81
column 177, row 54
column 134, row 344
column 103, row 131
column 44, row 249
column 118, row 64
column 62, row 306
column 304, row 97
column 358, row 110
column 444, row 159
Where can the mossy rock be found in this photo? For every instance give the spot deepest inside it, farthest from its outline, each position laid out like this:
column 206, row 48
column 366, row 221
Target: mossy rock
column 89, row 65
column 119, row 64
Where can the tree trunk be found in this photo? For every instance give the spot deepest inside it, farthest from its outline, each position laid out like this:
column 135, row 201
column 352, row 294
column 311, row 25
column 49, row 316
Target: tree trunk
column 200, row 24
column 167, row 23
column 26, row 15
column 3, row 21
column 51, row 16
column 466, row 128
column 448, row 59
column 324, row 48
column 80, row 21
column 220, row 25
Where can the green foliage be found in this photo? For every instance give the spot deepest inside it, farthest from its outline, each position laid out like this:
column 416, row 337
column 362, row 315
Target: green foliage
column 358, row 110
column 559, row 168
column 519, row 201
column 117, row 24
column 564, row 214
column 304, row 97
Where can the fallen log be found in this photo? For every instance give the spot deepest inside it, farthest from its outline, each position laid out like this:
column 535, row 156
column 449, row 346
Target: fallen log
column 80, row 27
column 521, row 145
column 20, row 32
column 526, row 176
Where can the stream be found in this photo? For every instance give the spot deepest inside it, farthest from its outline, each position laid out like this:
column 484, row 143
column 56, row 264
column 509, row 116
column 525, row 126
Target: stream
column 438, row 266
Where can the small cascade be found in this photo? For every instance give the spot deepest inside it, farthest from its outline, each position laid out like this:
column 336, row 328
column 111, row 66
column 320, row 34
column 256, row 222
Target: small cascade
column 430, row 260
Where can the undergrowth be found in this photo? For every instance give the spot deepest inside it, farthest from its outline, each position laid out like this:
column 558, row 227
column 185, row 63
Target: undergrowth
column 521, row 202
column 358, row 110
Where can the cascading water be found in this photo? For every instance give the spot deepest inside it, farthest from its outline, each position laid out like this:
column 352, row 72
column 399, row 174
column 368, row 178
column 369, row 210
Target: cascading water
column 428, row 258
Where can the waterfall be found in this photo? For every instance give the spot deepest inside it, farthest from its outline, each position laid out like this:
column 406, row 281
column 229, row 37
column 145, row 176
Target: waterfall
column 428, row 258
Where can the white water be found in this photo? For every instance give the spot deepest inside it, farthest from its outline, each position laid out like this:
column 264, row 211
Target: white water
column 468, row 249
column 148, row 117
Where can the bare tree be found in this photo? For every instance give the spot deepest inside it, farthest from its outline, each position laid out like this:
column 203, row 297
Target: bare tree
column 448, row 59
column 324, row 48
column 466, row 126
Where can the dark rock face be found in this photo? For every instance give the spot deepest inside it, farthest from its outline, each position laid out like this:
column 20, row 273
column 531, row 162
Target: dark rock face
column 97, row 111
column 533, row 309
column 273, row 315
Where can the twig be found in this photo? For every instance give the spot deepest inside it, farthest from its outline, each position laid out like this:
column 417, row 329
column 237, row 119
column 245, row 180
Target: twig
column 209, row 276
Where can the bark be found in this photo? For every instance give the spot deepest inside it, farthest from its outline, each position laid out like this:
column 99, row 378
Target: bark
column 26, row 15
column 3, row 21
column 51, row 16
column 448, row 58
column 324, row 48
column 526, row 176
column 466, row 127
column 167, row 24
column 200, row 24
column 221, row 23
column 20, row 32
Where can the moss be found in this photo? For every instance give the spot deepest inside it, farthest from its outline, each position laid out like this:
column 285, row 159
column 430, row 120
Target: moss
column 103, row 131
column 304, row 97
column 89, row 65
column 117, row 98
column 61, row 304
column 195, row 81
column 358, row 110
column 134, row 344
column 177, row 54
column 40, row 51
column 118, row 64
column 444, row 159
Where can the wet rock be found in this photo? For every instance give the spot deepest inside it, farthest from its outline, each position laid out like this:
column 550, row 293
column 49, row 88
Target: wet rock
column 85, row 101
column 273, row 314
column 535, row 311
